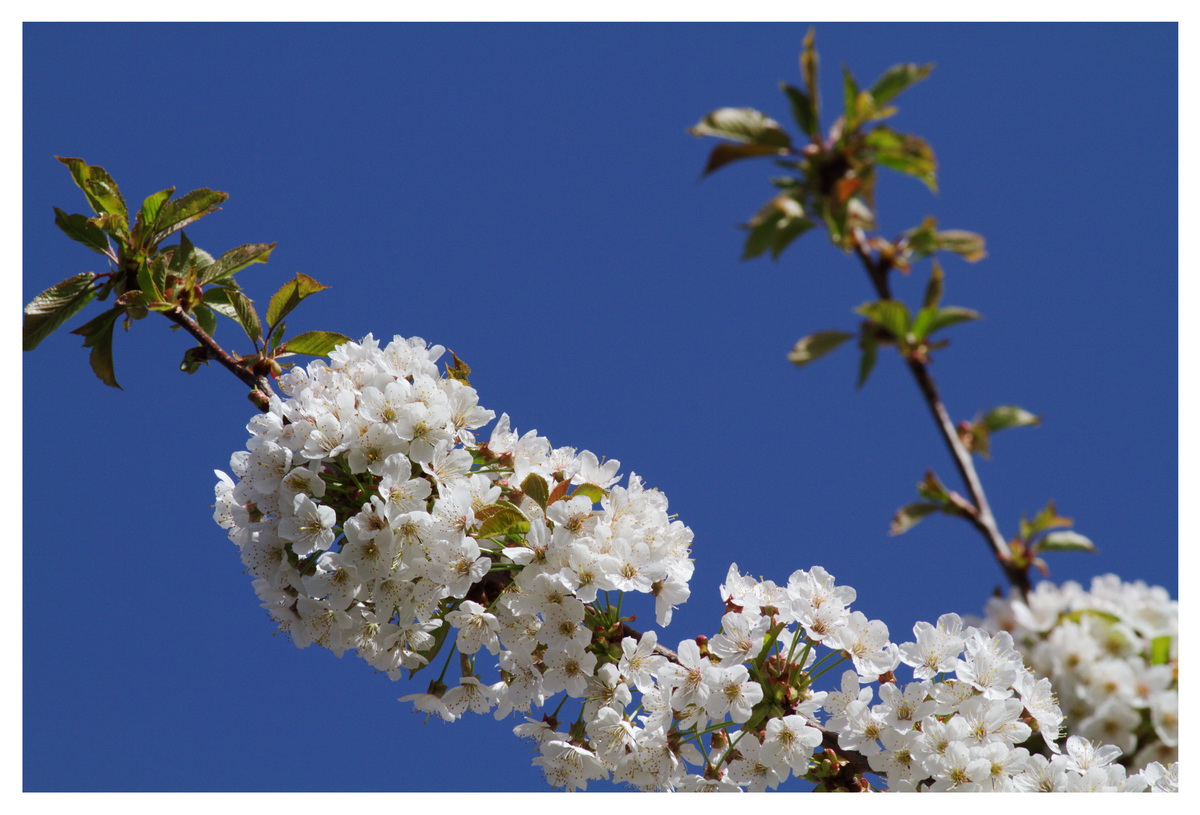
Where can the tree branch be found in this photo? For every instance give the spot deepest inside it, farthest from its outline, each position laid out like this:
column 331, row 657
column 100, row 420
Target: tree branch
column 260, row 384
column 980, row 515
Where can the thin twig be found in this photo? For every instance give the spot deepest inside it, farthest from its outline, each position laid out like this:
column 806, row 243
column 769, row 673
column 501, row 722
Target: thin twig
column 980, row 515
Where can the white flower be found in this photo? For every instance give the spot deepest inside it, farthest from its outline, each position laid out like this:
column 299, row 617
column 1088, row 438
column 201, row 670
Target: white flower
column 309, row 527
column 733, row 692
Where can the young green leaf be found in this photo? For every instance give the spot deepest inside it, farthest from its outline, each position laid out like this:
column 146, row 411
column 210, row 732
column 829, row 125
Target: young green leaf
column 904, row 153
column 809, row 62
column 175, row 215
column 234, row 261
column 507, row 520
column 935, row 287
column 967, row 244
column 206, row 318
column 891, row 314
column 439, row 639
column 816, row 345
column 909, row 516
column 218, row 300
column 536, row 488
column 937, row 319
column 896, row 79
column 80, row 228
column 151, row 208
column 247, row 317
column 97, row 335
column 53, row 307
column 314, row 343
column 1064, row 541
column 103, row 194
column 1046, row 519
column 803, row 110
column 776, row 225
column 289, row 296
column 591, row 491
column 97, row 185
column 931, row 489
column 1006, row 416
column 850, row 94
column 745, row 125
column 1160, row 650
column 726, row 153
column 866, row 362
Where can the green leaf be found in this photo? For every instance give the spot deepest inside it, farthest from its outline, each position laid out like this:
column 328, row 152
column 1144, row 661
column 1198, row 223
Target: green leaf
column 803, row 110
column 809, row 62
column 1079, row 614
column 53, row 307
column 935, row 287
column 206, row 318
column 1064, row 541
column 536, row 488
column 103, row 194
column 314, row 343
column 896, row 79
column 147, row 283
column 218, row 300
column 1006, row 416
column 152, row 206
column 97, row 335
column 591, row 491
column 1160, row 650
column 289, row 296
column 97, row 185
column 904, row 153
column 430, row 653
column 944, row 317
column 866, row 362
column 506, row 520
column 80, row 228
column 967, row 244
column 891, row 314
column 247, row 317
column 776, row 225
column 931, row 489
column 724, row 154
column 235, row 260
column 850, row 98
column 158, row 273
column 1044, row 520
column 177, row 214
column 909, row 516
column 193, row 358
column 181, row 254
column 816, row 345
column 745, row 125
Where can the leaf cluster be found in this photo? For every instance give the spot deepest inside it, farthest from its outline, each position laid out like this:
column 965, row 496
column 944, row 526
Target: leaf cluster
column 178, row 280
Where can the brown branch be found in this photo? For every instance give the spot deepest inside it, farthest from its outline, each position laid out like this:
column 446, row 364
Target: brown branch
column 260, row 384
column 980, row 514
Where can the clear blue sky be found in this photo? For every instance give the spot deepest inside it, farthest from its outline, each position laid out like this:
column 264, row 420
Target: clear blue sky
column 528, row 196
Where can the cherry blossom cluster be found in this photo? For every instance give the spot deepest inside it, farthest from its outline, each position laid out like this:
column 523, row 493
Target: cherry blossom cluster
column 372, row 520
column 740, row 711
column 1111, row 653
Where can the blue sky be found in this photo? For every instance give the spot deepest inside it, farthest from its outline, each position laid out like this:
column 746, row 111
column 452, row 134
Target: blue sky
column 528, row 196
